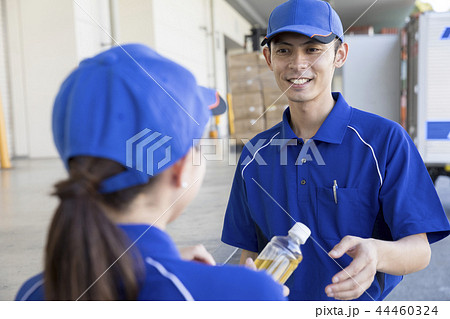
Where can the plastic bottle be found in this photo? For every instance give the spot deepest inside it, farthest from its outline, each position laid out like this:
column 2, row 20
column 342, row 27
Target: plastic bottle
column 282, row 254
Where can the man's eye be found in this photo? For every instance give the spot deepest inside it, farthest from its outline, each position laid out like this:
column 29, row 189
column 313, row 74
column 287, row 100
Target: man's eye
column 282, row 51
column 313, row 50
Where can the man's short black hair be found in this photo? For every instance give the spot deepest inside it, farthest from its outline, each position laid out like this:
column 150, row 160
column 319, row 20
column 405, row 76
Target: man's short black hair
column 337, row 44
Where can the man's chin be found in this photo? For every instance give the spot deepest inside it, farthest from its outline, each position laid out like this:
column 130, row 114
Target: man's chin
column 298, row 98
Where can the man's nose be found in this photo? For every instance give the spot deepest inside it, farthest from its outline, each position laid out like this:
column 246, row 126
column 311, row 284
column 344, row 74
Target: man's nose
column 299, row 61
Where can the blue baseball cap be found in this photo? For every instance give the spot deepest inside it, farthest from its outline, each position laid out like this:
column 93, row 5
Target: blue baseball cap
column 133, row 106
column 313, row 18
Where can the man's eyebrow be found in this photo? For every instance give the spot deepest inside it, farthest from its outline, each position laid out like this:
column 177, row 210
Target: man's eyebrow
column 282, row 43
column 312, row 41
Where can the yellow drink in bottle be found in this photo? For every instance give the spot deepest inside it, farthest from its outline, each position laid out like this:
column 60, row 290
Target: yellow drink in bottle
column 282, row 254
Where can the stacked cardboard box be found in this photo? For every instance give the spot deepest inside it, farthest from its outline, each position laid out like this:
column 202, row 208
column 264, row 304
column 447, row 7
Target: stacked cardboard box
column 247, row 99
column 258, row 103
column 275, row 102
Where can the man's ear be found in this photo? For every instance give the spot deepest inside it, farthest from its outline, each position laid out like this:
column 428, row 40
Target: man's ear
column 341, row 55
column 266, row 52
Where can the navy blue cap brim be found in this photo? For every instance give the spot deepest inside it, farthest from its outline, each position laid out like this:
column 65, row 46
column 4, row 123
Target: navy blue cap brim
column 216, row 104
column 314, row 33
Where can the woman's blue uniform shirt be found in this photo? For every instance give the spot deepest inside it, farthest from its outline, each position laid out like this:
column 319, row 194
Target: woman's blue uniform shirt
column 383, row 191
column 168, row 277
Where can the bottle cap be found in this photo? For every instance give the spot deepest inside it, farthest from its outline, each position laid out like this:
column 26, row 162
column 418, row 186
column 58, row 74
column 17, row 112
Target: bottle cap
column 300, row 231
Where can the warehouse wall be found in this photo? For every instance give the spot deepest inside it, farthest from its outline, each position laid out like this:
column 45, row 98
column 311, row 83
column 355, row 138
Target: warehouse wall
column 4, row 80
column 135, row 21
column 183, row 34
column 46, row 39
column 40, row 55
column 191, row 33
column 227, row 22
column 92, row 27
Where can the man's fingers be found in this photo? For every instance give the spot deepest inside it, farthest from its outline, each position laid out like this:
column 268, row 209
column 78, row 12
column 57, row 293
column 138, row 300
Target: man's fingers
column 348, row 290
column 352, row 287
column 355, row 267
column 347, row 243
column 348, row 294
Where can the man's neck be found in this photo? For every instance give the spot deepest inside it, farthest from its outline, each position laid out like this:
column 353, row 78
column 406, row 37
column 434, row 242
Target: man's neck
column 307, row 117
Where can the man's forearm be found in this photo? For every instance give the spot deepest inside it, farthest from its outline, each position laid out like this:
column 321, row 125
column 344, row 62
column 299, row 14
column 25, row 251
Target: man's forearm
column 401, row 257
column 404, row 256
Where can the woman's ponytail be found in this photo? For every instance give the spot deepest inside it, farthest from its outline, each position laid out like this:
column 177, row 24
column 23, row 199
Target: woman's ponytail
column 84, row 258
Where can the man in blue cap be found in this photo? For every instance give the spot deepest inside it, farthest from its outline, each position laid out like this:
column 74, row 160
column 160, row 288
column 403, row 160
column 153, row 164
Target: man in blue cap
column 354, row 178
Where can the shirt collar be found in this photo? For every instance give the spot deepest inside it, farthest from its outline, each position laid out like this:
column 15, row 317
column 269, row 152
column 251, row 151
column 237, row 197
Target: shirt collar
column 151, row 241
column 332, row 129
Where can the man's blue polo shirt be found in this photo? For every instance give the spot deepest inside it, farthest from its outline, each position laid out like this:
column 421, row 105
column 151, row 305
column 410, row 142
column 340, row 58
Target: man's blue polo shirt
column 168, row 277
column 383, row 191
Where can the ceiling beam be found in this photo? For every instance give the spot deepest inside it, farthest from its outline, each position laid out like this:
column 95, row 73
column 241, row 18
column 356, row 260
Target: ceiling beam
column 251, row 13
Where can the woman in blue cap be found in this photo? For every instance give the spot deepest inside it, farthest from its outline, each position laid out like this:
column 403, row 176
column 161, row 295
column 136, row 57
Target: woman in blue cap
column 124, row 123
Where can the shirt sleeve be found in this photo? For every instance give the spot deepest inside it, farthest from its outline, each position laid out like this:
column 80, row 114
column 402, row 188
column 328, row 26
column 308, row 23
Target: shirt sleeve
column 239, row 228
column 408, row 197
column 32, row 289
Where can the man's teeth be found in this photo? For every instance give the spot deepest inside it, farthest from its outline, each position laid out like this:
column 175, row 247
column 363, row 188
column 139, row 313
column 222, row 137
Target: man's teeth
column 299, row 81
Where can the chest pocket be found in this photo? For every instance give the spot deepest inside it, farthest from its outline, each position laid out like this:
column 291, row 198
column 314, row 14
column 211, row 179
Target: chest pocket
column 336, row 220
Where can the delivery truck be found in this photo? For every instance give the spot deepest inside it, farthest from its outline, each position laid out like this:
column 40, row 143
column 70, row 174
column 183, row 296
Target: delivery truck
column 425, row 75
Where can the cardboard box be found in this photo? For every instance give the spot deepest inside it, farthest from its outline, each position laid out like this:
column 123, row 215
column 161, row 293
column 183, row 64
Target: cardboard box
column 272, row 122
column 252, row 125
column 274, row 97
column 245, row 86
column 247, row 99
column 245, row 112
column 247, row 105
column 243, row 59
column 243, row 73
column 244, row 130
column 262, row 61
column 267, row 78
column 275, row 112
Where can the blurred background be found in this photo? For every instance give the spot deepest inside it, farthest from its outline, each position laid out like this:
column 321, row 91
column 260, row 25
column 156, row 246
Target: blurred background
column 398, row 67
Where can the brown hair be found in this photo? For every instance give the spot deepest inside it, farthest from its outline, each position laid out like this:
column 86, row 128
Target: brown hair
column 83, row 245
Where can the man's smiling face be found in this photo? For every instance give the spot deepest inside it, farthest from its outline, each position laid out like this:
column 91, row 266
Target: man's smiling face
column 303, row 67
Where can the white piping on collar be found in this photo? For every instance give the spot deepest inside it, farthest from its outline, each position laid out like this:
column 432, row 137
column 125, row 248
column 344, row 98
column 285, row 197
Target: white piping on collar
column 373, row 153
column 254, row 155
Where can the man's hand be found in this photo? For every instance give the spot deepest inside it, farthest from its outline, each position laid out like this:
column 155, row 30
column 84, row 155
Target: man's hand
column 197, row 253
column 401, row 257
column 353, row 281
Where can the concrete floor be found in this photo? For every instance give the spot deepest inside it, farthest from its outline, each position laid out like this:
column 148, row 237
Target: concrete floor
column 26, row 208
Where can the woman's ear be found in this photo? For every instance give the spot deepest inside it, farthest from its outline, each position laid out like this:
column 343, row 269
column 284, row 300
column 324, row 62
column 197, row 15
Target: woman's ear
column 178, row 170
column 341, row 55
